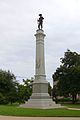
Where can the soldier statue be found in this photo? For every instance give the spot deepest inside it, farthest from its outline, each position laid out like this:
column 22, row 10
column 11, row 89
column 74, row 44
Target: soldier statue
column 40, row 22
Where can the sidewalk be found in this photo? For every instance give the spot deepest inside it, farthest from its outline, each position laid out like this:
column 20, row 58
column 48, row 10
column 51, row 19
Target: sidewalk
column 38, row 118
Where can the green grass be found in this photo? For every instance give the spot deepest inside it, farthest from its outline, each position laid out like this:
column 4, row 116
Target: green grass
column 16, row 111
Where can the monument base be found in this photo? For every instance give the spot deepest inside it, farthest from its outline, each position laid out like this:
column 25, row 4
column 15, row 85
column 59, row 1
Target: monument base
column 41, row 104
column 40, row 97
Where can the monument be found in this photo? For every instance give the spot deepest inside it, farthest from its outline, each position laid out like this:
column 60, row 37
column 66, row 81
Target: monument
column 40, row 97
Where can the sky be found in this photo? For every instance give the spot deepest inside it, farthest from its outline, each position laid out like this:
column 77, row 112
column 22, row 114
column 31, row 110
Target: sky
column 18, row 24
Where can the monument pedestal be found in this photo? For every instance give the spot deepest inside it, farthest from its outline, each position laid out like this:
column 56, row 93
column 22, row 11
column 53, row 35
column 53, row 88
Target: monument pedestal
column 40, row 97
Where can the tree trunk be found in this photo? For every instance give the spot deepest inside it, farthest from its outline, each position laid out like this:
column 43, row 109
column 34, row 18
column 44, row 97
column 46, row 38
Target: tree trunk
column 73, row 98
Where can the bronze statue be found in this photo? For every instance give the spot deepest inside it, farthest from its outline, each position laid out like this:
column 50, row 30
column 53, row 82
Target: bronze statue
column 40, row 22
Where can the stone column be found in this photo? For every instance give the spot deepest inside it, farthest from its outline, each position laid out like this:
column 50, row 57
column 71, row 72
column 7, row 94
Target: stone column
column 40, row 60
column 40, row 85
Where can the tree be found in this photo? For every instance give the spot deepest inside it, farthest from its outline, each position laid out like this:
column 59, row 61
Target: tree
column 24, row 90
column 68, row 75
column 7, row 85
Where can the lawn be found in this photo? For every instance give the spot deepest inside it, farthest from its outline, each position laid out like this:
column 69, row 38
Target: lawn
column 16, row 111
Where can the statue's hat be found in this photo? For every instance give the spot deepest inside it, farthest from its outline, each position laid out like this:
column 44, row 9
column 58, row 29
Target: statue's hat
column 40, row 14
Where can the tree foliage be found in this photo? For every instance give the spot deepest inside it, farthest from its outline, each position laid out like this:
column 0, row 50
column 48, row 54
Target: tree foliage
column 68, row 75
column 24, row 90
column 7, row 85
column 11, row 91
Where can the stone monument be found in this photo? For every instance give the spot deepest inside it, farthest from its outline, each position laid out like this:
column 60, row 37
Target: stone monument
column 40, row 97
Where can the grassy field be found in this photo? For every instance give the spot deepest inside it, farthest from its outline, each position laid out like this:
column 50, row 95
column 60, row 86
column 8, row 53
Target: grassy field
column 16, row 111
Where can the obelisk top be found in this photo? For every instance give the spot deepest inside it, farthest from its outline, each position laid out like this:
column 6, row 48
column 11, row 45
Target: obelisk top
column 40, row 22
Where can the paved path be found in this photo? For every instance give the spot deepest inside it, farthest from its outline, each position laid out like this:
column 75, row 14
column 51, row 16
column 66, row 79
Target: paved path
column 38, row 118
column 73, row 108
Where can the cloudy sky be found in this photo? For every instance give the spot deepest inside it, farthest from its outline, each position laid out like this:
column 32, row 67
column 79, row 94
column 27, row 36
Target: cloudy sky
column 18, row 24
